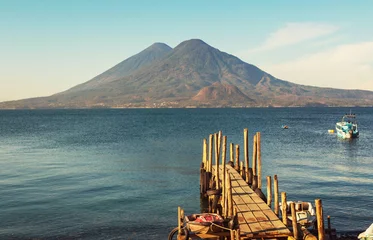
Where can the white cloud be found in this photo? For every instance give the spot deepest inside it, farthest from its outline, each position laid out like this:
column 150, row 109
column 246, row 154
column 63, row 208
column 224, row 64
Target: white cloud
column 348, row 66
column 294, row 33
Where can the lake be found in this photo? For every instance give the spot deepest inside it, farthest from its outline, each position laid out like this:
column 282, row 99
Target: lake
column 122, row 173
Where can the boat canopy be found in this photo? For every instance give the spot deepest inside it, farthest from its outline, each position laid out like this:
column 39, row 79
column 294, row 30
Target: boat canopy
column 351, row 117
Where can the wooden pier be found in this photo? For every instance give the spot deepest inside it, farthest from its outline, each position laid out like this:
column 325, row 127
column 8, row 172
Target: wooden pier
column 233, row 190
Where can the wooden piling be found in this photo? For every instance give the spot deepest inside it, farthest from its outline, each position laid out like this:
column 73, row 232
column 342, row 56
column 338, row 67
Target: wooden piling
column 275, row 190
column 237, row 162
column 294, row 220
column 250, row 176
column 179, row 220
column 225, row 199
column 254, row 159
column 231, row 152
column 203, row 167
column 259, row 163
column 242, row 171
column 209, row 169
column 217, row 160
column 269, row 191
column 201, row 179
column 219, row 141
column 229, row 196
column 329, row 229
column 246, row 153
column 320, row 219
column 284, row 207
column 254, row 185
column 204, row 149
column 223, row 162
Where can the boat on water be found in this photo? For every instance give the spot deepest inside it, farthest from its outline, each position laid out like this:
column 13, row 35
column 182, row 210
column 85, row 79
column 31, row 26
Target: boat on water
column 304, row 212
column 285, row 126
column 347, row 127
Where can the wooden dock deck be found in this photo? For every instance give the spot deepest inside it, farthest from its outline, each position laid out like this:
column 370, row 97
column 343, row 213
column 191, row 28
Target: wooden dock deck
column 233, row 190
column 255, row 218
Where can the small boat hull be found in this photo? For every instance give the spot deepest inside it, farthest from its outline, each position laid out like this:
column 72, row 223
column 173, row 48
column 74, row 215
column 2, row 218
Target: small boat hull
column 347, row 127
column 204, row 223
column 304, row 212
column 346, row 130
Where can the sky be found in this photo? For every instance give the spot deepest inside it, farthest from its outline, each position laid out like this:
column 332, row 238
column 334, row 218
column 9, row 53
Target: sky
column 50, row 46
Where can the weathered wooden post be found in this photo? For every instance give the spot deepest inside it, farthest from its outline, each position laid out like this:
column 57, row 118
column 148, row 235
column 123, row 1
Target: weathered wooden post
column 254, row 185
column 226, row 210
column 231, row 153
column 284, row 207
column 269, row 191
column 202, row 179
column 229, row 195
column 209, row 169
column 237, row 163
column 329, row 229
column 204, row 153
column 242, row 170
column 320, row 219
column 246, row 153
column 254, row 159
column 275, row 186
column 179, row 220
column 223, row 162
column 217, row 160
column 259, row 163
column 219, row 141
column 294, row 220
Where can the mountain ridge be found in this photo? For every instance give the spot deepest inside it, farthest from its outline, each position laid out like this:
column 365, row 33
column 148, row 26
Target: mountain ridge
column 193, row 74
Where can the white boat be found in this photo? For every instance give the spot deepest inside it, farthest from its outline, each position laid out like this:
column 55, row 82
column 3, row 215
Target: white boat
column 347, row 127
column 304, row 212
column 367, row 234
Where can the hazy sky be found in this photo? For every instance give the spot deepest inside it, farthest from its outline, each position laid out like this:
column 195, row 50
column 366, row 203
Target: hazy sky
column 49, row 46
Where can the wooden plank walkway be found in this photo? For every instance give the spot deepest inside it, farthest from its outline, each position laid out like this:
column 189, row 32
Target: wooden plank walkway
column 255, row 217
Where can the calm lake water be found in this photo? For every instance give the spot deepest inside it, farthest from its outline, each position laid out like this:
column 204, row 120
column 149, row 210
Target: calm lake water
column 121, row 173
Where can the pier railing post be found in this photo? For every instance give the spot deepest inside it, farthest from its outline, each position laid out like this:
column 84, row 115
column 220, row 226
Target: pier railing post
column 202, row 178
column 254, row 159
column 209, row 169
column 179, row 220
column 275, row 189
column 204, row 153
column 259, row 161
column 269, row 191
column 320, row 219
column 242, row 170
column 217, row 148
column 329, row 228
column 231, row 153
column 246, row 154
column 237, row 162
column 219, row 141
column 229, row 195
column 223, row 162
column 284, row 207
column 294, row 220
